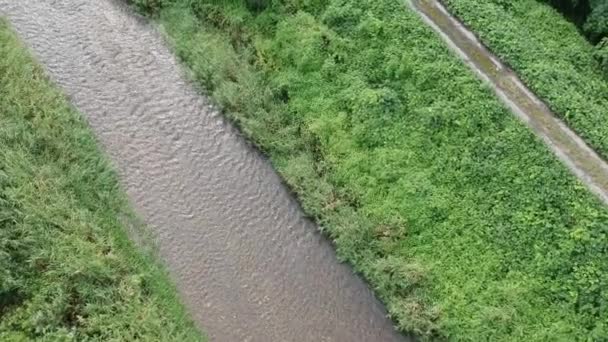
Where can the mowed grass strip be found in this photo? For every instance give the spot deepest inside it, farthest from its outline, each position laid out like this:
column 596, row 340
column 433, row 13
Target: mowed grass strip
column 463, row 222
column 551, row 57
column 67, row 268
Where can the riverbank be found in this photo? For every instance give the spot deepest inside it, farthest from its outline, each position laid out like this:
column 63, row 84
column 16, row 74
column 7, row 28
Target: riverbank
column 68, row 268
column 467, row 227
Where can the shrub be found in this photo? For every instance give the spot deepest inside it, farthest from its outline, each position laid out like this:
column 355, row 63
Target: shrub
column 258, row 5
column 601, row 54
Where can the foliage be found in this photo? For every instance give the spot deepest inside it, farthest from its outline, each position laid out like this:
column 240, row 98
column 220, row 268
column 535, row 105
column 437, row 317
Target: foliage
column 550, row 56
column 577, row 10
column 154, row 6
column 464, row 224
column 601, row 54
column 589, row 15
column 257, row 5
column 150, row 6
column 596, row 24
column 67, row 268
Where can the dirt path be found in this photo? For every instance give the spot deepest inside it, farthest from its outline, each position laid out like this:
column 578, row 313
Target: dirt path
column 569, row 148
column 247, row 263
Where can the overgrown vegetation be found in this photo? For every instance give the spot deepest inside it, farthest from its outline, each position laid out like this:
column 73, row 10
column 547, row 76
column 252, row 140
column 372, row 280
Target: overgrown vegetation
column 591, row 16
column 550, row 56
column 67, row 268
column 457, row 215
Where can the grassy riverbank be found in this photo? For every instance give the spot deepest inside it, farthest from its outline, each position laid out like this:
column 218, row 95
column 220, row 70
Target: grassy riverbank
column 463, row 222
column 67, row 268
column 551, row 57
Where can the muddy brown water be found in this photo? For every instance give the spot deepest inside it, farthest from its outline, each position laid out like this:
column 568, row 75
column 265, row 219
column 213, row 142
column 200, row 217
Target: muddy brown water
column 247, row 263
column 585, row 163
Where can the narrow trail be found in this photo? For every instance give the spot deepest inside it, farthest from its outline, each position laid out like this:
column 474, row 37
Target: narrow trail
column 247, row 263
column 591, row 169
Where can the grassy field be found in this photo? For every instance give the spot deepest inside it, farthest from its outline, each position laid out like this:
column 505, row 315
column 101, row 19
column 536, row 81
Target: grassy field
column 67, row 268
column 551, row 57
column 459, row 218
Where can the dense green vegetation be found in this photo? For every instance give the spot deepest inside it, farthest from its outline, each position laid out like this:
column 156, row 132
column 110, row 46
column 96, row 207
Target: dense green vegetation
column 67, row 268
column 550, row 56
column 457, row 215
column 591, row 16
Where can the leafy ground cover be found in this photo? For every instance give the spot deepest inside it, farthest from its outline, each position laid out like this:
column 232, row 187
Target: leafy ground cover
column 464, row 224
column 67, row 268
column 591, row 17
column 551, row 57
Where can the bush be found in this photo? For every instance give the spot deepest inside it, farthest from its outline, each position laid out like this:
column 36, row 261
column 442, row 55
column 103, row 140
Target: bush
column 589, row 15
column 149, row 6
column 601, row 54
column 596, row 24
column 258, row 5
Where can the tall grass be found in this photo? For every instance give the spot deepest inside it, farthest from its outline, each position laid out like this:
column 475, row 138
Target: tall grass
column 67, row 268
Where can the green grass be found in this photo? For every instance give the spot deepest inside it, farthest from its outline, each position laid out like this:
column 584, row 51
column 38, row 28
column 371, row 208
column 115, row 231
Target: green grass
column 551, row 57
column 67, row 268
column 462, row 221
